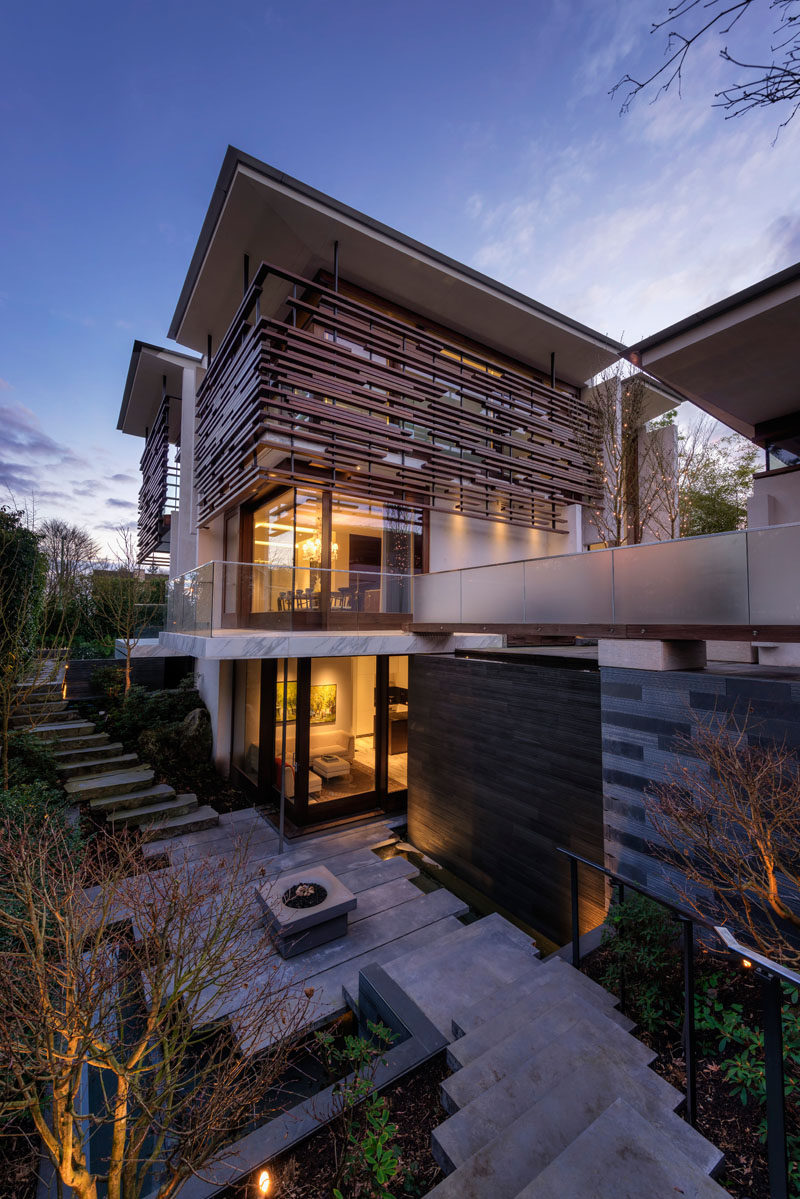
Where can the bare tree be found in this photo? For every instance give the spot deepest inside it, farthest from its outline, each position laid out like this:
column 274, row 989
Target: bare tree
column 70, row 552
column 124, row 597
column 622, row 458
column 774, row 79
column 679, row 474
column 127, row 986
column 728, row 817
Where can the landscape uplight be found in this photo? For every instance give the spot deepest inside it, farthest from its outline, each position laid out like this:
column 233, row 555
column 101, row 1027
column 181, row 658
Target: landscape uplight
column 264, row 1182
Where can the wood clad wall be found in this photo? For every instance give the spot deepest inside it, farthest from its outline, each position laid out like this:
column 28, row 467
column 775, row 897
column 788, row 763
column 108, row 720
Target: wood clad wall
column 154, row 466
column 504, row 765
column 341, row 394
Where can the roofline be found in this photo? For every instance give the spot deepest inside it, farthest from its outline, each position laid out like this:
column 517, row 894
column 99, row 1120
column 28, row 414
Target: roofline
column 738, row 300
column 234, row 158
column 138, row 346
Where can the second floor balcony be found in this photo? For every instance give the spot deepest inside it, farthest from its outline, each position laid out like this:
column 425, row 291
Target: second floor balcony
column 228, row 597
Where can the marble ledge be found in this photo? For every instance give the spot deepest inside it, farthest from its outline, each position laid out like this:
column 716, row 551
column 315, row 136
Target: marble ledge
column 324, row 645
column 148, row 647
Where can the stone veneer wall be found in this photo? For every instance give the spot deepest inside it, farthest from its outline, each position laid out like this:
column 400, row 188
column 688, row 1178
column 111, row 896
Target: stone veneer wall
column 642, row 714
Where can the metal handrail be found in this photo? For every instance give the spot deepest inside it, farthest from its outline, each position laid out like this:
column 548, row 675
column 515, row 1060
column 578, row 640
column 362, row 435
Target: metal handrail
column 772, row 974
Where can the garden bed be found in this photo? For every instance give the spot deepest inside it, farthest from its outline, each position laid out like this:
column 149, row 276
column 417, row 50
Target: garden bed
column 308, row 1170
column 729, row 1058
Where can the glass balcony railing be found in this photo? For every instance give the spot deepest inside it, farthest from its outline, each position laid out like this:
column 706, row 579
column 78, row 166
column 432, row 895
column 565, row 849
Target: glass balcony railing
column 222, row 597
column 742, row 579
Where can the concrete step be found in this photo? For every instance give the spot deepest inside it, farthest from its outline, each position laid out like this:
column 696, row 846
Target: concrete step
column 620, row 1156
column 441, row 976
column 34, row 691
column 554, row 993
column 520, row 997
column 114, row 782
column 40, row 706
column 74, row 748
column 159, row 810
column 63, row 730
column 27, row 720
column 573, row 1025
column 105, row 804
column 559, row 1113
column 174, row 826
column 85, row 766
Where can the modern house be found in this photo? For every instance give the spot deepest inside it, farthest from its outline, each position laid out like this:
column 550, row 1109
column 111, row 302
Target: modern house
column 384, row 477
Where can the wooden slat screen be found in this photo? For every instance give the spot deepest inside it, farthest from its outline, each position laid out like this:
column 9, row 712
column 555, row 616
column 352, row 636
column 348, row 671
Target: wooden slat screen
column 340, row 395
column 154, row 466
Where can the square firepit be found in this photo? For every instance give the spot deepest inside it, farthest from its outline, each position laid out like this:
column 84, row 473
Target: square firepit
column 305, row 908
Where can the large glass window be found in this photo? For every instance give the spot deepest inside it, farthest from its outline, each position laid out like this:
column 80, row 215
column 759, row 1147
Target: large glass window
column 373, row 548
column 247, row 717
column 397, row 772
column 287, row 546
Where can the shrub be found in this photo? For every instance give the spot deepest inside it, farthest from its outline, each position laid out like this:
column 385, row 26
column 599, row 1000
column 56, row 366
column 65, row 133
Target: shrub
column 640, row 941
column 86, row 649
column 183, row 746
column 30, row 761
column 141, row 710
column 33, row 802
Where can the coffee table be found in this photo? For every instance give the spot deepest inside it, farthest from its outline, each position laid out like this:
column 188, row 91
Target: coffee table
column 330, row 766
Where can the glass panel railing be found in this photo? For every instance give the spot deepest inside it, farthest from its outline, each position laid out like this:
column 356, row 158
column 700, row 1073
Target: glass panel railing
column 571, row 589
column 773, row 557
column 743, row 578
column 190, row 602
column 284, row 597
column 696, row 580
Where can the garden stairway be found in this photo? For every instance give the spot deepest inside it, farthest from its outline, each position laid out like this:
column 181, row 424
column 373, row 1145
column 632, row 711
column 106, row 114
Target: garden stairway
column 552, row 1096
column 99, row 772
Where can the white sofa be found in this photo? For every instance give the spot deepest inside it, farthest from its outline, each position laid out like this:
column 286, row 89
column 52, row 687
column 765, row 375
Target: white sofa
column 323, row 741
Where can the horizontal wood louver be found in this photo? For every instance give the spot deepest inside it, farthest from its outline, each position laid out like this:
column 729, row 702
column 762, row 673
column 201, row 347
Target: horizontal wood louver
column 153, row 493
column 340, row 395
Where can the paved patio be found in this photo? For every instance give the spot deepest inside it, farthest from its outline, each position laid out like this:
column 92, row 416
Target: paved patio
column 393, row 917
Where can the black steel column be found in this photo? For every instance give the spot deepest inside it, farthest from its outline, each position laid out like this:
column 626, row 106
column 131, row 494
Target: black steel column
column 576, row 934
column 688, row 1022
column 773, row 1070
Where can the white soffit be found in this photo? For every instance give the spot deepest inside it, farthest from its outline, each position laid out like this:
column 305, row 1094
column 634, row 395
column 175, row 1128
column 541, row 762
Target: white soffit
column 294, row 228
column 143, row 388
column 738, row 360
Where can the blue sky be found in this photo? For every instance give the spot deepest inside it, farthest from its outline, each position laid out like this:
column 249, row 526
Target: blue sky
column 483, row 129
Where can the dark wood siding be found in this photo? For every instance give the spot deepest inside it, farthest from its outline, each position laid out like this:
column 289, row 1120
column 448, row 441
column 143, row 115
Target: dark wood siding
column 504, row 765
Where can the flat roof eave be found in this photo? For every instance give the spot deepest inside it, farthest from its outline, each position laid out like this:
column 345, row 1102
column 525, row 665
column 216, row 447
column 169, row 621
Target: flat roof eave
column 375, row 256
column 142, row 392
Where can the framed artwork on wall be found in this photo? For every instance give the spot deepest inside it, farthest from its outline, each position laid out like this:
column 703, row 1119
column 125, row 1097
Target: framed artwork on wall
column 323, row 703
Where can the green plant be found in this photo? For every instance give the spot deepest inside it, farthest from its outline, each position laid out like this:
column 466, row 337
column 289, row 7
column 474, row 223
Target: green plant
column 365, row 1157
column 640, row 941
column 30, row 760
column 724, row 1028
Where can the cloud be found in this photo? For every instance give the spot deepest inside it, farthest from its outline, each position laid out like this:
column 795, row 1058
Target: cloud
column 115, row 503
column 5, row 385
column 121, row 477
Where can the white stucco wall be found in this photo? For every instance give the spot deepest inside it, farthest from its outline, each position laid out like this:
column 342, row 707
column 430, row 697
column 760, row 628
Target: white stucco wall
column 775, row 500
column 215, row 683
column 183, row 538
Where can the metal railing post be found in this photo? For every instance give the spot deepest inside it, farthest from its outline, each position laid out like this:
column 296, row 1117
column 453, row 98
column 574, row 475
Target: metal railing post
column 773, row 1073
column 690, row 1047
column 576, row 936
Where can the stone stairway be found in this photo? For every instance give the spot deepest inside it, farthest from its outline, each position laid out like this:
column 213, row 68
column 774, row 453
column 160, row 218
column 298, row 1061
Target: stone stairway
column 99, row 772
column 552, row 1095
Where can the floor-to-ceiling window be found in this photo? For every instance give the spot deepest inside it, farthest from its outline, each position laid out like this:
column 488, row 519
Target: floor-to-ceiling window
column 397, row 762
column 247, row 718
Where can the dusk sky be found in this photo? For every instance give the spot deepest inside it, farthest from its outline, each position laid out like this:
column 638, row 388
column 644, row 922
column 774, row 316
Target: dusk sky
column 485, row 130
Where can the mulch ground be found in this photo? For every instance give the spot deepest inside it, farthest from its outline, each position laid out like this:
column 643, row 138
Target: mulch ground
column 19, row 1162
column 722, row 1117
column 309, row 1171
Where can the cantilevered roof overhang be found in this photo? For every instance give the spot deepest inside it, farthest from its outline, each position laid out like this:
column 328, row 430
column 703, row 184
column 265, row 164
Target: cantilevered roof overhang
column 738, row 359
column 258, row 211
column 143, row 392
